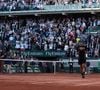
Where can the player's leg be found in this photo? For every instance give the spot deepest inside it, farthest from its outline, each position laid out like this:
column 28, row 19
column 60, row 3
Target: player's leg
column 80, row 62
column 83, row 68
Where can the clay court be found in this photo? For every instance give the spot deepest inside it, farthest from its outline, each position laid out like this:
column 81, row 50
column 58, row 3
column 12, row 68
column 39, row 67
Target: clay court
column 49, row 82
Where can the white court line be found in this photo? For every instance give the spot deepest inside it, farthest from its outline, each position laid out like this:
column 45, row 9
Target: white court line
column 42, row 83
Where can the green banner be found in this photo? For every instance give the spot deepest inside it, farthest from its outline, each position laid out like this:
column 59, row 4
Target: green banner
column 44, row 53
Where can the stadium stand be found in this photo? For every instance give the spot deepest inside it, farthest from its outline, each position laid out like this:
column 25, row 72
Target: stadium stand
column 17, row 5
column 39, row 36
column 44, row 34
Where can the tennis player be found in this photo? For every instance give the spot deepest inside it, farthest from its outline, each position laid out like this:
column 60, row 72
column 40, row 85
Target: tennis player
column 82, row 49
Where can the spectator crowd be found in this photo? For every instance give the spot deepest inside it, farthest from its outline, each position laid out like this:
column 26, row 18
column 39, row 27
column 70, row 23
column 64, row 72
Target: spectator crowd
column 45, row 33
column 15, row 5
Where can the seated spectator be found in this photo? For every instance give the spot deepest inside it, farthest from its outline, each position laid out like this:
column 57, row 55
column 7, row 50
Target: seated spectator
column 58, row 33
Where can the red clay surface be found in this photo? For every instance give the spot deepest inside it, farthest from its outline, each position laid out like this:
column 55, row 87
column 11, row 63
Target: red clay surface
column 49, row 82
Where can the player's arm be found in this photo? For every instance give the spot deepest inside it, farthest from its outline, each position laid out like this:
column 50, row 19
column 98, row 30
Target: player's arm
column 77, row 49
column 86, row 49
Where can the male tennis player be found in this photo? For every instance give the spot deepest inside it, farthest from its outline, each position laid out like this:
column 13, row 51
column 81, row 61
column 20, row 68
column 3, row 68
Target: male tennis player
column 82, row 57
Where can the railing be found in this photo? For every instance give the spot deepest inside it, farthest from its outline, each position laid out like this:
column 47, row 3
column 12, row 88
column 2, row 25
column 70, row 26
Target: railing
column 46, row 9
column 20, row 65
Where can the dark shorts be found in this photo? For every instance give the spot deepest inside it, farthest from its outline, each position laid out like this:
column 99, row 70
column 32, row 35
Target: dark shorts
column 81, row 60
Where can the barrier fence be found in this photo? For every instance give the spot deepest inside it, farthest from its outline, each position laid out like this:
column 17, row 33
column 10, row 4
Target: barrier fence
column 43, row 66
